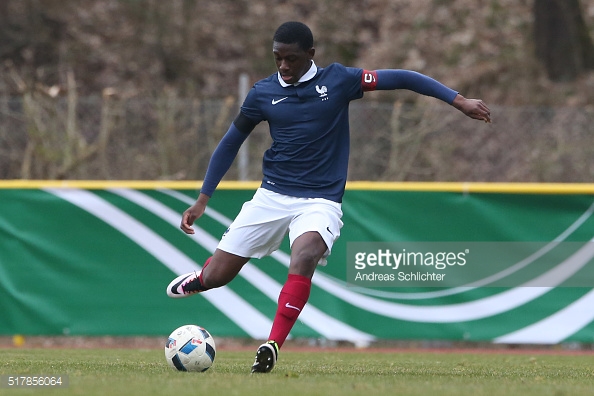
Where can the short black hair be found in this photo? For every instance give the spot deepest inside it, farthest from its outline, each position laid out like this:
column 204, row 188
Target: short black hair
column 294, row 32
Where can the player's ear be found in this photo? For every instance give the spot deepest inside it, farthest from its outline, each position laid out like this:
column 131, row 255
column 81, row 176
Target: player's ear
column 311, row 52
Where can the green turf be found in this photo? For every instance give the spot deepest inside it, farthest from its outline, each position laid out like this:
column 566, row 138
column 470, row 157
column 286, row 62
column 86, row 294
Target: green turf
column 144, row 372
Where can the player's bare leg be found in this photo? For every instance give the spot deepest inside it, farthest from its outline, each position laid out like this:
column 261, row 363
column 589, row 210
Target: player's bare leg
column 222, row 269
column 306, row 251
column 218, row 270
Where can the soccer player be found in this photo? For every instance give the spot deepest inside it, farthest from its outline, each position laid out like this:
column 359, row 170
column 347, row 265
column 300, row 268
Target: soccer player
column 304, row 171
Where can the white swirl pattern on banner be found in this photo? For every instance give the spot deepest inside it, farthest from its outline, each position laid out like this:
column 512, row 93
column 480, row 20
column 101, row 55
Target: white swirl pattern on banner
column 227, row 301
column 566, row 322
column 552, row 329
column 224, row 299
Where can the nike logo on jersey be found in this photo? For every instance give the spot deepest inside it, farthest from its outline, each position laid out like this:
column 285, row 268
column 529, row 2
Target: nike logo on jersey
column 292, row 307
column 279, row 100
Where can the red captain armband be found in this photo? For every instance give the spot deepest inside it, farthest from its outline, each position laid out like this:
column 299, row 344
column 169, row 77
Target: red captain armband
column 368, row 80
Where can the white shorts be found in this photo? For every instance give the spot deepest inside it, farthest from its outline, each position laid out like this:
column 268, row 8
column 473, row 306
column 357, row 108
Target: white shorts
column 263, row 222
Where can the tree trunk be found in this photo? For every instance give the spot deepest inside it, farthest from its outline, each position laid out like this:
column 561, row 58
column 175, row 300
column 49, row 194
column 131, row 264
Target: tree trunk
column 562, row 39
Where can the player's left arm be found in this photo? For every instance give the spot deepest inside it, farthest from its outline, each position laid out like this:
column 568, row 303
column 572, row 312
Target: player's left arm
column 390, row 79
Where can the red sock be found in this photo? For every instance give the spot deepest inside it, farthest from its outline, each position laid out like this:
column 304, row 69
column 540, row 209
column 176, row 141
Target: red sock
column 291, row 301
column 200, row 276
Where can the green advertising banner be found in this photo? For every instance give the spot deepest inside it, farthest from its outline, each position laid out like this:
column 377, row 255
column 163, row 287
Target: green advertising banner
column 94, row 258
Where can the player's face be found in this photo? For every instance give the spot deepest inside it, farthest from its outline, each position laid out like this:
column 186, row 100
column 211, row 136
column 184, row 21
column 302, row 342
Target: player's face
column 291, row 61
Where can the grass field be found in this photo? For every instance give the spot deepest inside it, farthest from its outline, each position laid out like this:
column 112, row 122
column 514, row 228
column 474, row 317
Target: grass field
column 306, row 372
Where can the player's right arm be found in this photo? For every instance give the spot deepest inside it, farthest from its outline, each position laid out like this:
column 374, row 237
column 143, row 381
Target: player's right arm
column 219, row 164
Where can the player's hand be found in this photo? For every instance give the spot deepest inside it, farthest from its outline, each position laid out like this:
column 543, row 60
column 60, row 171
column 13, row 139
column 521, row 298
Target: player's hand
column 473, row 108
column 193, row 213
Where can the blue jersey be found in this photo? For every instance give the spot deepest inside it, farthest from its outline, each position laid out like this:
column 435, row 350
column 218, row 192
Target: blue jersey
column 309, row 126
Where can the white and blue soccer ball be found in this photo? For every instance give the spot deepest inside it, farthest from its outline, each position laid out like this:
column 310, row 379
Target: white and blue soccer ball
column 190, row 348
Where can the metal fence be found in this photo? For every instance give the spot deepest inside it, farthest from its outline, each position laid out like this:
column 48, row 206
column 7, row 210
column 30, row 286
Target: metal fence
column 114, row 138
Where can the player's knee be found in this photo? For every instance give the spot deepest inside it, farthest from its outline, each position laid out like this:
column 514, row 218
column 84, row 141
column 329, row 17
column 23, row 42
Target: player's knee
column 305, row 257
column 304, row 262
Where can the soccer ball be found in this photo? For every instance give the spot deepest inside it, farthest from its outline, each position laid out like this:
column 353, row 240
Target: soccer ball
column 190, row 348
